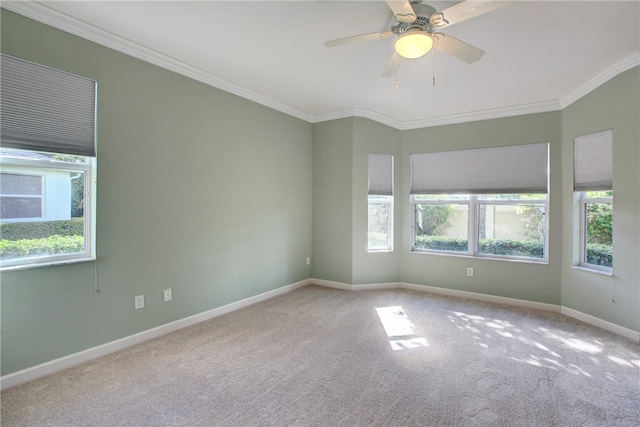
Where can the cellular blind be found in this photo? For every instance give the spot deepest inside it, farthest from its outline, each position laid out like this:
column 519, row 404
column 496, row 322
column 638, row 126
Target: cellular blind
column 495, row 170
column 381, row 174
column 593, row 162
column 44, row 109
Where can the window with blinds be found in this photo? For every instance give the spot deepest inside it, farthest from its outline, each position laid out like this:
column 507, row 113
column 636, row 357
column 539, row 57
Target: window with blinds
column 47, row 188
column 380, row 203
column 593, row 184
column 486, row 202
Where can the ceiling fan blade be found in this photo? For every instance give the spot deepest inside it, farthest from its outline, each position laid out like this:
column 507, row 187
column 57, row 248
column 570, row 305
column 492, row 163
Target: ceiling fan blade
column 359, row 38
column 403, row 10
column 393, row 65
column 457, row 48
column 465, row 10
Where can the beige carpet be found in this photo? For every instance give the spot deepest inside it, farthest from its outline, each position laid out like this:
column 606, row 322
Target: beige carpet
column 323, row 357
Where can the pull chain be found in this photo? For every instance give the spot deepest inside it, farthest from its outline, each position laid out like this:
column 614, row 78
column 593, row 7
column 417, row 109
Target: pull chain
column 396, row 61
column 433, row 64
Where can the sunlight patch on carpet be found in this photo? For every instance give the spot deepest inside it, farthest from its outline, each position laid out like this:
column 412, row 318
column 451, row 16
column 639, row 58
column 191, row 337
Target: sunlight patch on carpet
column 400, row 329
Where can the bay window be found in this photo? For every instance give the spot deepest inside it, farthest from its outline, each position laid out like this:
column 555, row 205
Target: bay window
column 489, row 202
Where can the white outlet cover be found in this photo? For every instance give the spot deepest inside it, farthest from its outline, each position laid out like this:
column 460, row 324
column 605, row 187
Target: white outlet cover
column 139, row 302
column 168, row 296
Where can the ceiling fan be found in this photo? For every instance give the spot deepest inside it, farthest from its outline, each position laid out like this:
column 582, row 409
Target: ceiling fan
column 416, row 27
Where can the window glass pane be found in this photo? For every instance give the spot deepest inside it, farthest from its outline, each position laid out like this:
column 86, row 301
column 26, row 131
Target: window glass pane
column 598, row 194
column 379, row 229
column 512, row 196
column 49, row 223
column 440, row 197
column 442, row 227
column 599, row 234
column 511, row 230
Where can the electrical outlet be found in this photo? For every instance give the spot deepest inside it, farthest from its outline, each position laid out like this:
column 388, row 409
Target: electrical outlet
column 168, row 295
column 470, row 271
column 139, row 302
column 308, row 260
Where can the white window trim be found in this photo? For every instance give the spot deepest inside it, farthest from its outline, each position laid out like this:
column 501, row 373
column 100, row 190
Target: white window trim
column 473, row 204
column 388, row 201
column 583, row 200
column 89, row 254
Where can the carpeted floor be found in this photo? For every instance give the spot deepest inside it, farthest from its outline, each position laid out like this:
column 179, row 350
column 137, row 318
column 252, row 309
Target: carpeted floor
column 319, row 356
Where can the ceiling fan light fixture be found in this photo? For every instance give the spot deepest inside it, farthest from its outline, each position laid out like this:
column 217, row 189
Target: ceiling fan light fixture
column 414, row 44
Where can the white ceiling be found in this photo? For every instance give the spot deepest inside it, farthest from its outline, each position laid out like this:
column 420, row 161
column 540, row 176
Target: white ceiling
column 540, row 56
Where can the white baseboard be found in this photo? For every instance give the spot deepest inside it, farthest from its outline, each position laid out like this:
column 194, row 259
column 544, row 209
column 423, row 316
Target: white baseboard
column 331, row 284
column 482, row 297
column 376, row 286
column 361, row 287
column 602, row 324
column 586, row 318
column 56, row 365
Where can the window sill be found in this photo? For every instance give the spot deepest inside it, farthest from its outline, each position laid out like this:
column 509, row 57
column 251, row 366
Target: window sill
column 44, row 264
column 593, row 270
column 484, row 257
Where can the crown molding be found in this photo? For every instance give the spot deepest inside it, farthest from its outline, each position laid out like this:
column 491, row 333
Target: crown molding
column 612, row 71
column 473, row 116
column 41, row 13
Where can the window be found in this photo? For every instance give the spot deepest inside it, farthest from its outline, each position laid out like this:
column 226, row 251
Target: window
column 488, row 202
column 502, row 225
column 47, row 162
column 596, row 240
column 441, row 222
column 593, row 186
column 20, row 196
column 380, row 202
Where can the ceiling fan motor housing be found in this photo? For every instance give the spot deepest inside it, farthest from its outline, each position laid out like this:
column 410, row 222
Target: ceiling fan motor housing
column 423, row 22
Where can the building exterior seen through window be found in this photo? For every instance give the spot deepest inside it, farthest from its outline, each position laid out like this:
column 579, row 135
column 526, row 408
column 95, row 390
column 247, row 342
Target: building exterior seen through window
column 491, row 225
column 44, row 200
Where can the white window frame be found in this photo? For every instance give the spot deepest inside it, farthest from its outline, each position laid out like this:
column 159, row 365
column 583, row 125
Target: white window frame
column 584, row 200
column 381, row 184
column 473, row 202
column 89, row 169
column 388, row 201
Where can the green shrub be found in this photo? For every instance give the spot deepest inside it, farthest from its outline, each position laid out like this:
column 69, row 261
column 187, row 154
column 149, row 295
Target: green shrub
column 530, row 249
column 41, row 229
column 46, row 246
column 442, row 243
column 600, row 254
column 597, row 254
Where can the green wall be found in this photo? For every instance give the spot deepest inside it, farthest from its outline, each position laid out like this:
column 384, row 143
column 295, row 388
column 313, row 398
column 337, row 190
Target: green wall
column 344, row 164
column 374, row 267
column 528, row 281
column 221, row 199
column 198, row 190
column 614, row 105
column 332, row 196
